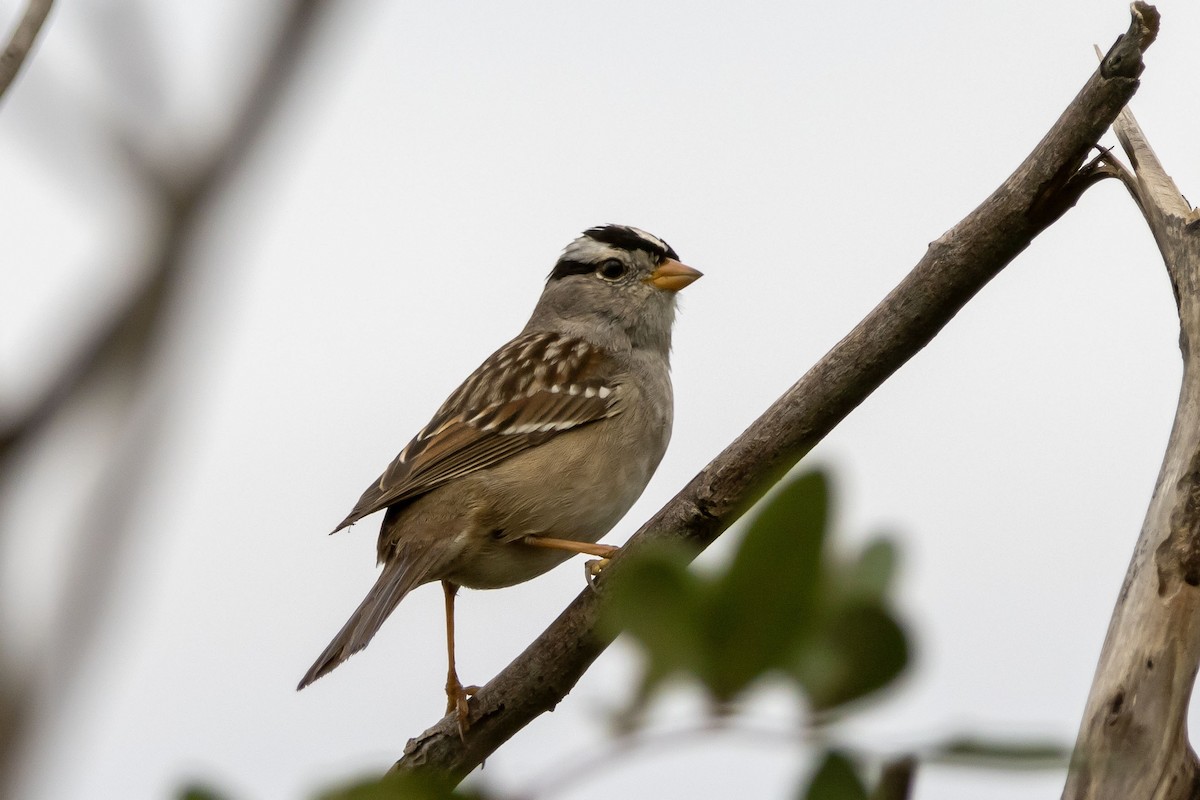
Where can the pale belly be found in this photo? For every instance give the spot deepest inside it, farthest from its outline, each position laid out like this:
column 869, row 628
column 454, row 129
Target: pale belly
column 580, row 498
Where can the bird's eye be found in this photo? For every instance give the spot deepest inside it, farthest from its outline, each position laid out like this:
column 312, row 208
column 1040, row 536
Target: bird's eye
column 611, row 270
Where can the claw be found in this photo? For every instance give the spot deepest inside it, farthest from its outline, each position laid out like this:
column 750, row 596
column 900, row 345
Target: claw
column 592, row 569
column 458, row 703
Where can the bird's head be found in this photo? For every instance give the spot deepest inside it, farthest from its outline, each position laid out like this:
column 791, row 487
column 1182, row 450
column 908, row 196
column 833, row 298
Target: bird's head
column 616, row 280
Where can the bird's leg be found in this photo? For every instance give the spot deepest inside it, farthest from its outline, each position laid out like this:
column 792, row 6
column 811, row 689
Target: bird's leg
column 456, row 693
column 592, row 568
column 587, row 548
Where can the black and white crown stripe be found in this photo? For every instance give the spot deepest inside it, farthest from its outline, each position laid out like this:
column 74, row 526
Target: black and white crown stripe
column 628, row 237
column 583, row 256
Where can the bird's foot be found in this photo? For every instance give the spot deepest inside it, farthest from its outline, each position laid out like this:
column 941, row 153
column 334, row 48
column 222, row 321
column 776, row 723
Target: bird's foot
column 592, row 570
column 458, row 703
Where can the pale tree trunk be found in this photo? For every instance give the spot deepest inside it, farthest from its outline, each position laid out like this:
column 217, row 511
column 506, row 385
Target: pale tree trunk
column 1133, row 738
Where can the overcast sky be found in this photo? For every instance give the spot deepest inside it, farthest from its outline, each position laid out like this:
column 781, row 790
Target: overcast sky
column 396, row 226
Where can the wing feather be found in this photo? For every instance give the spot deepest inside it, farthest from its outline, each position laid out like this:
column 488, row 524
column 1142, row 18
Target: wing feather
column 535, row 387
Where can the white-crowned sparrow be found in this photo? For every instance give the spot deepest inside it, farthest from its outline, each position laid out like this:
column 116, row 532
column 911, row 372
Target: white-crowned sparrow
column 541, row 450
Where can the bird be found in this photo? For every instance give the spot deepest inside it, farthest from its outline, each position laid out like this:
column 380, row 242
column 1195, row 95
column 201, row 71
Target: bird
column 540, row 451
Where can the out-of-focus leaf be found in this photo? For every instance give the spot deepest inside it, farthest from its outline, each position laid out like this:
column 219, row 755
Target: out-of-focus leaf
column 836, row 779
column 861, row 649
column 407, row 786
column 869, row 577
column 783, row 605
column 1002, row 754
column 763, row 606
column 657, row 601
column 196, row 791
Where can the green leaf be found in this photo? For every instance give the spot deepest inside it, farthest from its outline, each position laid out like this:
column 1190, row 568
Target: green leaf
column 196, row 791
column 658, row 601
column 862, row 648
column 778, row 607
column 836, row 779
column 763, row 606
column 870, row 576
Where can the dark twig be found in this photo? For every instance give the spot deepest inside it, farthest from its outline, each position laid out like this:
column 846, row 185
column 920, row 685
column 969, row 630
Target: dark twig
column 895, row 780
column 957, row 265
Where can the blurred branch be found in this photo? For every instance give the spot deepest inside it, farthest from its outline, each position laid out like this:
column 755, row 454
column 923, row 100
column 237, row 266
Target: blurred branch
column 23, row 37
column 144, row 322
column 956, row 266
column 130, row 326
column 124, row 346
column 1133, row 738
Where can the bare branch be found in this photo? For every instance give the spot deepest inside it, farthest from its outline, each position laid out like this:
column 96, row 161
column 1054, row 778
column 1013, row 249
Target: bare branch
column 953, row 270
column 22, row 40
column 1133, row 738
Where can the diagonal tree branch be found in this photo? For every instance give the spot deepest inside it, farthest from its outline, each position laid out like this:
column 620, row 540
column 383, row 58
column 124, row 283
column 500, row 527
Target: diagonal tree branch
column 22, row 41
column 956, row 266
column 1133, row 736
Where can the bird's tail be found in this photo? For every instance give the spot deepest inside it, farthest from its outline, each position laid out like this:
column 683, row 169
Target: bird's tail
column 399, row 577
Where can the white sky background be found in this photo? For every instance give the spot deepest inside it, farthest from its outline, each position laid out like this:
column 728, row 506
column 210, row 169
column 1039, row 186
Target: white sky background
column 396, row 227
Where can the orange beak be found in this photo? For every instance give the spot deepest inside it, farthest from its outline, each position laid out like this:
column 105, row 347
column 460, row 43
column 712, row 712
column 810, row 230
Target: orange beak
column 672, row 276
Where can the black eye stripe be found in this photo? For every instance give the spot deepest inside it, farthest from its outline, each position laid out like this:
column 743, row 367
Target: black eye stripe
column 566, row 267
column 610, row 268
column 619, row 237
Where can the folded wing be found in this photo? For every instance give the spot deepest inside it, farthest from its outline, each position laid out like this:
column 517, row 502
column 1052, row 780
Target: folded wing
column 536, row 387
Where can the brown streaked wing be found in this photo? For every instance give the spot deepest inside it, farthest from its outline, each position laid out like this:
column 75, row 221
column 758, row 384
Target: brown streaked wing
column 533, row 388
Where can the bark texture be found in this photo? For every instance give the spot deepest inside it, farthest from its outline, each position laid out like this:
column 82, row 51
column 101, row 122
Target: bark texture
column 956, row 266
column 1133, row 737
